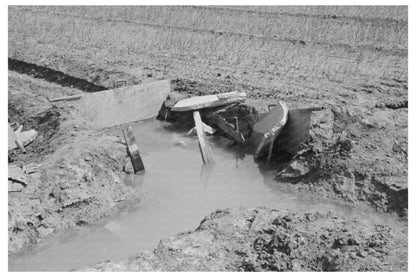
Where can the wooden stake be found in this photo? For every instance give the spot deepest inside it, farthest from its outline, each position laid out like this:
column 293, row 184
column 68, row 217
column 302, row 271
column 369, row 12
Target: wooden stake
column 269, row 154
column 133, row 149
column 236, row 125
column 206, row 152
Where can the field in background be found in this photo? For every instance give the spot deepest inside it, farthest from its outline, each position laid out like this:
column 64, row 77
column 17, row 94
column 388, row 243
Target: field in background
column 293, row 51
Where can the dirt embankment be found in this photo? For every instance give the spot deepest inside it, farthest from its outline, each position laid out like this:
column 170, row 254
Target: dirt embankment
column 78, row 175
column 272, row 240
column 357, row 151
column 51, row 75
column 351, row 60
column 357, row 154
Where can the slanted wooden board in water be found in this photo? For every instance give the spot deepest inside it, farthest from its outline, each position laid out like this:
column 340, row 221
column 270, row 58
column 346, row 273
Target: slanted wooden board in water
column 209, row 101
column 227, row 128
column 266, row 130
column 133, row 149
column 206, row 152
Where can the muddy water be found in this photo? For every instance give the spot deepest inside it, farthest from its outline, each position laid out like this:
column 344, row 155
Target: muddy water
column 177, row 191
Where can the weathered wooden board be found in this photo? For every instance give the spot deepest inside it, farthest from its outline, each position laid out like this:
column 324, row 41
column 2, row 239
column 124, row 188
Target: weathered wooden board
column 119, row 106
column 209, row 101
column 206, row 151
column 227, row 128
column 67, row 98
column 133, row 149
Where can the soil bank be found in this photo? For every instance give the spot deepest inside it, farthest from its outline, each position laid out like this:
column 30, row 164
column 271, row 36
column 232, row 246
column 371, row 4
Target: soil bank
column 263, row 239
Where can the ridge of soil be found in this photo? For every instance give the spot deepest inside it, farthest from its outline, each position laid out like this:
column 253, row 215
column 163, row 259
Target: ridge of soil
column 264, row 239
column 51, row 75
column 79, row 171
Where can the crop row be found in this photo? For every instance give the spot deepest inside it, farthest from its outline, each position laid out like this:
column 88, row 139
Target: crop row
column 382, row 33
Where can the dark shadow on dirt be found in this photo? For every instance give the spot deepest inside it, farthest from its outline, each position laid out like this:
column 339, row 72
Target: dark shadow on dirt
column 53, row 76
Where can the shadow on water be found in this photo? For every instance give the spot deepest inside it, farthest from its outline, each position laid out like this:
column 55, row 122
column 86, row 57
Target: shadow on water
column 176, row 192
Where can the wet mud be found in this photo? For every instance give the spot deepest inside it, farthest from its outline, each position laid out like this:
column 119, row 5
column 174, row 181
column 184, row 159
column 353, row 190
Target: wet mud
column 272, row 240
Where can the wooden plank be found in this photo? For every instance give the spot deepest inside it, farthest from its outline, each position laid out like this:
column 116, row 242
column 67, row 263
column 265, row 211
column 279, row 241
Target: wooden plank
column 209, row 101
column 226, row 127
column 66, row 98
column 133, row 150
column 124, row 105
column 206, row 151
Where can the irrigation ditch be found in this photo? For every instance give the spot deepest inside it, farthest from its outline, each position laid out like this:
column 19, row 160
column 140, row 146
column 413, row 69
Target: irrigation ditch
column 339, row 203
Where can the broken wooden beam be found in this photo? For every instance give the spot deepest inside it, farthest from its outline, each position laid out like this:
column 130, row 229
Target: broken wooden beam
column 206, row 151
column 133, row 150
column 209, row 101
column 228, row 128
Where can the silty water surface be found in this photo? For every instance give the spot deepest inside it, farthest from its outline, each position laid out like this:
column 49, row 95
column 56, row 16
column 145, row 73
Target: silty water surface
column 177, row 192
